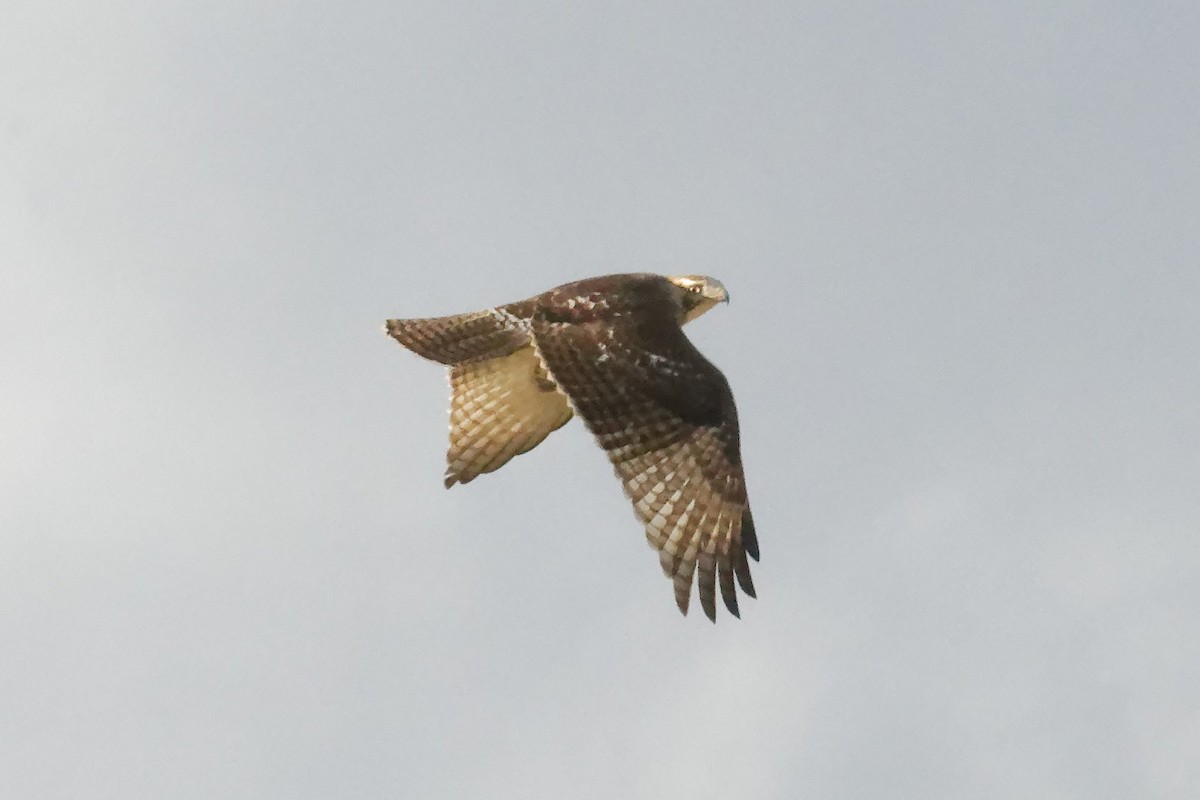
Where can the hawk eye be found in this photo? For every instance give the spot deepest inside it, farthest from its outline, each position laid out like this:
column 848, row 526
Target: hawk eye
column 695, row 287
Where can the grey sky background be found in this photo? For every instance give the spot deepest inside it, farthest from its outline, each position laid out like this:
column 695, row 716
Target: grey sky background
column 962, row 245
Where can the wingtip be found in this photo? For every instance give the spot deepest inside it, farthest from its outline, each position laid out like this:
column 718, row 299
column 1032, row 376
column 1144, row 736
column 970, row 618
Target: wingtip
column 749, row 536
column 682, row 602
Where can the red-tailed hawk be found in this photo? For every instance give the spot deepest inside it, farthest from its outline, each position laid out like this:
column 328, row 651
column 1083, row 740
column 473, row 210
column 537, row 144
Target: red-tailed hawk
column 611, row 350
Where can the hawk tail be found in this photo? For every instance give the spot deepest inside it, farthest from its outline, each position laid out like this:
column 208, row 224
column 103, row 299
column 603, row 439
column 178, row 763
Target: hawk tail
column 461, row 337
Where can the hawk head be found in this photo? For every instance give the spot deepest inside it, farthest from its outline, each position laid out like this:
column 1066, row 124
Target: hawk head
column 698, row 293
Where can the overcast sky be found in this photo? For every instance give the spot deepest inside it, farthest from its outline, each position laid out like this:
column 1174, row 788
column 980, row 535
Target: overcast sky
column 962, row 245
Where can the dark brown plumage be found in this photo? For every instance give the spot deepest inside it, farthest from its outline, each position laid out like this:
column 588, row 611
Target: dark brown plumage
column 612, row 350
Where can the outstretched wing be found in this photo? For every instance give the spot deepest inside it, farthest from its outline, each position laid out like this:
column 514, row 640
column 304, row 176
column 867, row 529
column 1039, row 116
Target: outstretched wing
column 502, row 402
column 499, row 408
column 666, row 418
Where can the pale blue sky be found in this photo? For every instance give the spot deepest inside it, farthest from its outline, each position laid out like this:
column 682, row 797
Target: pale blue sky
column 962, row 247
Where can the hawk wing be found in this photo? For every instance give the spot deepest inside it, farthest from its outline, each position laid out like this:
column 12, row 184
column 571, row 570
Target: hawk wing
column 666, row 418
column 502, row 402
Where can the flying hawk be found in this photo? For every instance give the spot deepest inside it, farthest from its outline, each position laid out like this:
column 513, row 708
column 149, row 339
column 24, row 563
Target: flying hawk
column 610, row 349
